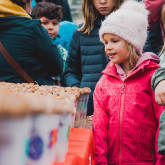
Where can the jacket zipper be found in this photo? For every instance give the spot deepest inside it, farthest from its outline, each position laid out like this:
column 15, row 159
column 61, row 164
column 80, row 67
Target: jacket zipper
column 121, row 110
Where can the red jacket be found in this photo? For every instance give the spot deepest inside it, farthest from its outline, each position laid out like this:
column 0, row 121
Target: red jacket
column 126, row 117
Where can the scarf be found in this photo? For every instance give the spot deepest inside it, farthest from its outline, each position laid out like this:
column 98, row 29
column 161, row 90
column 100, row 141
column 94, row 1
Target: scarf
column 9, row 9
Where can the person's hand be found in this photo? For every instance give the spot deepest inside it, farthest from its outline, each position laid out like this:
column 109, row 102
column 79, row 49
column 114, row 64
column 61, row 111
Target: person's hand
column 160, row 93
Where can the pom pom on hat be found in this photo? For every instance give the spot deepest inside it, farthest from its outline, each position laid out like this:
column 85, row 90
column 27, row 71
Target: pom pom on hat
column 129, row 22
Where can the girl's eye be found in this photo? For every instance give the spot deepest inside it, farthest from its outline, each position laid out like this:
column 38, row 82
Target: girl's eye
column 55, row 23
column 115, row 41
column 105, row 42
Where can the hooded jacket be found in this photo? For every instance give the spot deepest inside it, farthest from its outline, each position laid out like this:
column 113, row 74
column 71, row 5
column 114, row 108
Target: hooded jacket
column 126, row 116
column 29, row 44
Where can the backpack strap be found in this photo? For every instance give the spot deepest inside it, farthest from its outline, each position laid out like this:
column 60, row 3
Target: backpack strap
column 15, row 65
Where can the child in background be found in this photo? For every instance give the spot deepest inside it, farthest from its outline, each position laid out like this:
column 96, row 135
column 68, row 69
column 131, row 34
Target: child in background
column 86, row 57
column 126, row 116
column 50, row 15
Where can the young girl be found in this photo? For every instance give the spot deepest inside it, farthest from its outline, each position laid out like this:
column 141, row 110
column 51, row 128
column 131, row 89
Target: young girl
column 126, row 116
column 86, row 57
column 86, row 54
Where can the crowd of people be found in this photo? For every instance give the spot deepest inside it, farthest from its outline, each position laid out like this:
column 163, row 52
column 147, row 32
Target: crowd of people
column 118, row 52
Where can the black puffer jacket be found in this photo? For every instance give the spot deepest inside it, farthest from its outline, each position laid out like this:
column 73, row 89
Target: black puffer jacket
column 85, row 62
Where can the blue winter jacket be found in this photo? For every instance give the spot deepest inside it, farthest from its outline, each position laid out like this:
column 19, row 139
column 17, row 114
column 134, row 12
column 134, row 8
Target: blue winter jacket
column 65, row 34
column 85, row 61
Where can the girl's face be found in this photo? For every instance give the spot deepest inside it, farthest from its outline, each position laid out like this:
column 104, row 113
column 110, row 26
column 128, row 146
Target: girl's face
column 51, row 25
column 104, row 7
column 116, row 49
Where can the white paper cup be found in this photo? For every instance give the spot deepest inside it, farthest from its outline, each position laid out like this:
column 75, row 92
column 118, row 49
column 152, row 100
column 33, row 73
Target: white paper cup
column 39, row 141
column 62, row 137
column 14, row 134
column 54, row 121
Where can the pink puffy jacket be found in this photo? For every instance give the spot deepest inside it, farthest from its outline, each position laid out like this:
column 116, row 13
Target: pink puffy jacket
column 126, row 118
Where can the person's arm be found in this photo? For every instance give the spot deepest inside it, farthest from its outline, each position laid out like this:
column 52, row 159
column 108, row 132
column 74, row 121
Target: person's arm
column 154, row 7
column 160, row 93
column 158, row 85
column 100, row 127
column 72, row 75
column 158, row 109
column 161, row 136
column 46, row 51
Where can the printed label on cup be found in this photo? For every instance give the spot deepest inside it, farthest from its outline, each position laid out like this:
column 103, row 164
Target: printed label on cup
column 36, row 147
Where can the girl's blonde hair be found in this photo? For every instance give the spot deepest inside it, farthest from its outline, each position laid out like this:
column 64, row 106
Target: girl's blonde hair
column 133, row 56
column 90, row 14
column 163, row 24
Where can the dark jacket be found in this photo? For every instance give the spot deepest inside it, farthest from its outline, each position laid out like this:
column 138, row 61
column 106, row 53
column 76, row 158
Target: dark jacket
column 85, row 62
column 154, row 41
column 31, row 46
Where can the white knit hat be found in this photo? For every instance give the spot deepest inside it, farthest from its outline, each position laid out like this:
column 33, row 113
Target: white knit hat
column 130, row 22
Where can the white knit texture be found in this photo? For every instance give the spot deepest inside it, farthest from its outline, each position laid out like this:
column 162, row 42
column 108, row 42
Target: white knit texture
column 130, row 22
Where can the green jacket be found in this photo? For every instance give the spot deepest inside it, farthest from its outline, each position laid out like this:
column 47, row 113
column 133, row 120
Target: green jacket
column 158, row 76
column 29, row 44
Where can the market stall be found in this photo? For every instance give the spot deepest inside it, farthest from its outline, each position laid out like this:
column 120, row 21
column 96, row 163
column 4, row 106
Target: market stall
column 36, row 121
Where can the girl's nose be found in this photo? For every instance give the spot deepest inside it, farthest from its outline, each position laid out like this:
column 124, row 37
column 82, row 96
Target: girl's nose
column 109, row 47
column 103, row 1
column 50, row 26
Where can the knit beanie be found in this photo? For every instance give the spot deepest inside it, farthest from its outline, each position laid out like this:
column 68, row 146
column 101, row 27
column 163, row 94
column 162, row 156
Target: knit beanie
column 129, row 22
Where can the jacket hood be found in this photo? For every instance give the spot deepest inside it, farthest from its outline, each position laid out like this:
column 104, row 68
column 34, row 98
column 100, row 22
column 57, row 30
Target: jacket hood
column 9, row 9
column 11, row 14
column 142, row 64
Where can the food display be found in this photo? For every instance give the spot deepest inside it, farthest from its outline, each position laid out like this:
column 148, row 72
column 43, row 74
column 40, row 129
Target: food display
column 35, row 122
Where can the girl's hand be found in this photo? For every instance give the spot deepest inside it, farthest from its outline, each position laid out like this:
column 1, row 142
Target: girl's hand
column 160, row 93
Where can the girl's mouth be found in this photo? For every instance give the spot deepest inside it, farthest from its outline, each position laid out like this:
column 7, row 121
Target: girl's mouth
column 103, row 8
column 111, row 54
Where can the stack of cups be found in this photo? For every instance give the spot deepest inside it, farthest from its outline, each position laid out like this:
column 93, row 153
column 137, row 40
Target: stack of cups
column 49, row 129
column 34, row 129
column 35, row 122
column 15, row 127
